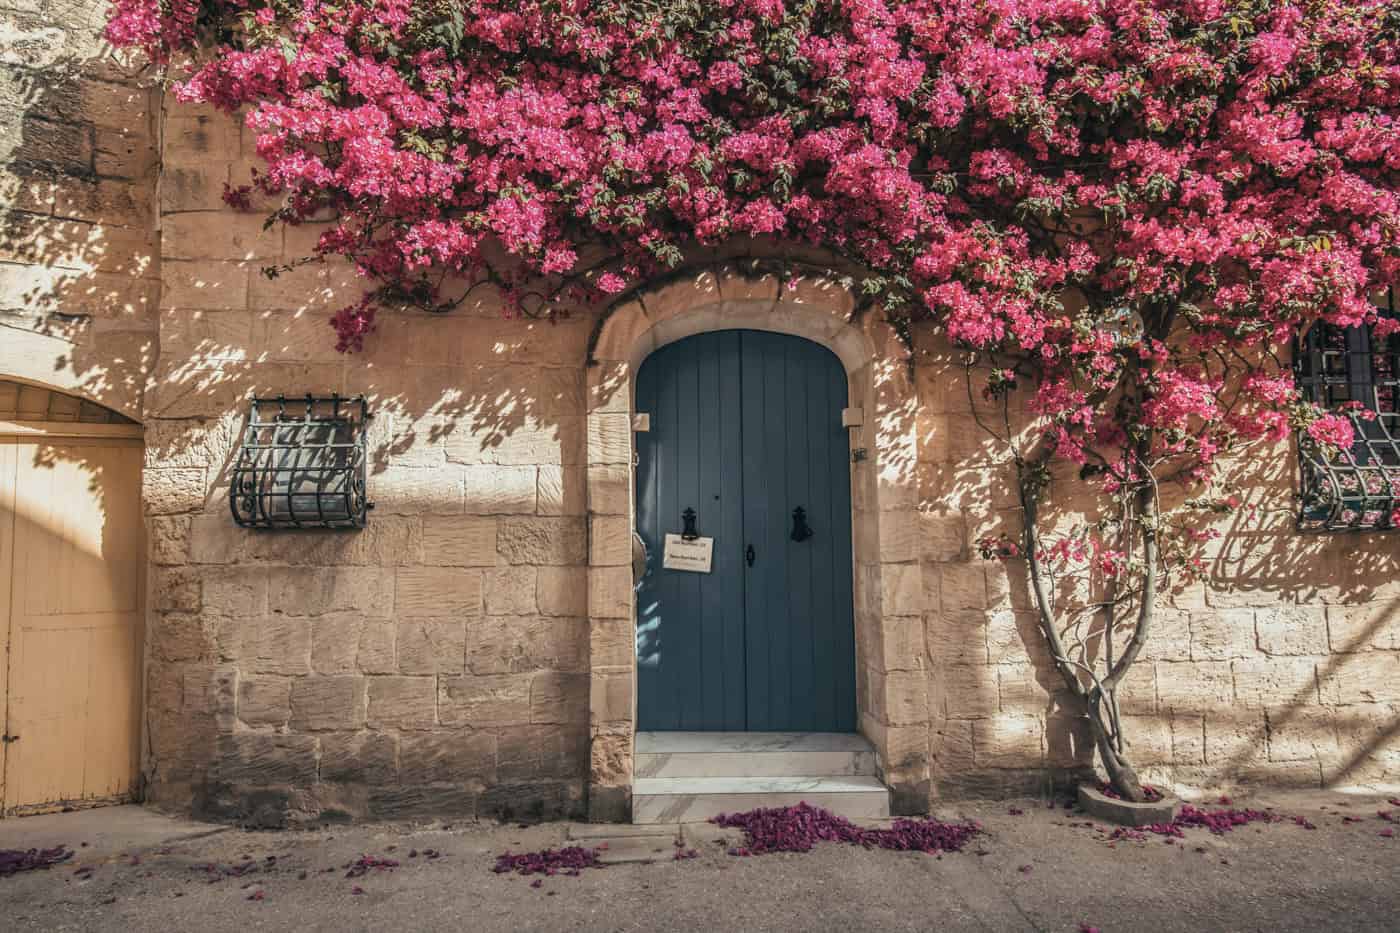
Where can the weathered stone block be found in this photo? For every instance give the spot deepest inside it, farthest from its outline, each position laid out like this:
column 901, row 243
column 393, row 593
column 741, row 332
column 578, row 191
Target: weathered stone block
column 403, row 803
column 612, row 697
column 447, row 757
column 1372, row 677
column 179, row 636
column 1188, row 740
column 609, row 541
column 609, row 489
column 261, row 759
column 264, row 701
column 1222, row 634
column 347, row 642
column 610, row 594
column 171, row 491
column 402, row 703
column 1194, row 687
column 168, row 539
column 1294, row 630
column 1302, row 734
column 499, row 490
column 236, row 592
column 969, row 691
column 466, row 541
column 511, row 591
column 562, row 591
column 431, row 646
column 219, row 235
column 334, row 702
column 559, row 698
column 609, row 438
column 611, row 642
column 417, row 491
column 557, row 541
column 1234, row 739
column 275, row 646
column 962, row 585
column 559, row 490
column 1262, row 682
column 533, row 753
column 1368, row 627
column 359, row 758
column 513, row 644
column 1008, row 741
column 901, row 590
column 437, row 591
column 487, row 700
column 941, row 536
column 365, row 590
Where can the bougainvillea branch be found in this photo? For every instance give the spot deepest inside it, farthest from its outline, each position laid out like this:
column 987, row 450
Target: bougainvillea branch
column 1124, row 210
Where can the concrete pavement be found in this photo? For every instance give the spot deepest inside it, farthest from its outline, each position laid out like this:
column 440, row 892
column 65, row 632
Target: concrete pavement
column 1040, row 869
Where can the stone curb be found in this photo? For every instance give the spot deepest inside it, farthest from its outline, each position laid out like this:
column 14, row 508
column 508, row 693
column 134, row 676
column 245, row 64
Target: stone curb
column 1125, row 812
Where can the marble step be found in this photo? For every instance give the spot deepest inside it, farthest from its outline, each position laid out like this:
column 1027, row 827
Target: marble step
column 752, row 754
column 681, row 800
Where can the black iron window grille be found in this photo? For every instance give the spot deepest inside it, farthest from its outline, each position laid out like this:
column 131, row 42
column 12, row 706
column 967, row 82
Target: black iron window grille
column 302, row 464
column 1357, row 372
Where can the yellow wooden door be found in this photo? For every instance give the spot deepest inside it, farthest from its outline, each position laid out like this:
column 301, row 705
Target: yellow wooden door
column 72, row 560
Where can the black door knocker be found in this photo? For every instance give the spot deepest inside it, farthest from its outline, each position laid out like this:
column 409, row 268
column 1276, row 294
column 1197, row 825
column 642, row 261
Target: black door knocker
column 688, row 532
column 800, row 529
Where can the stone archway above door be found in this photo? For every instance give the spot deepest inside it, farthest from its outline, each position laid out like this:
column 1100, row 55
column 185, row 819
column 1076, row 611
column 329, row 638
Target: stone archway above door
column 887, row 579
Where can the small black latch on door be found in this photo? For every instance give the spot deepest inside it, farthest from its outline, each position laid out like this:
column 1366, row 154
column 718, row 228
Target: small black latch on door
column 749, row 556
column 688, row 532
column 800, row 529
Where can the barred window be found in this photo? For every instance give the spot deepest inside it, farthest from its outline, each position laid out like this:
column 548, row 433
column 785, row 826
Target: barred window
column 1358, row 490
column 302, row 464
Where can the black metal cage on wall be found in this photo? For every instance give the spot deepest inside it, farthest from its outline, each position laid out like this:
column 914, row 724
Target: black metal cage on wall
column 1358, row 490
column 302, row 464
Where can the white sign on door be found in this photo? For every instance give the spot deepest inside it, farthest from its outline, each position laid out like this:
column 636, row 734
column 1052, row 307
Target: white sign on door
column 693, row 555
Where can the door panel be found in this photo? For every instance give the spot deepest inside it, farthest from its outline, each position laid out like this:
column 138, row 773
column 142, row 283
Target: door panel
column 690, row 625
column 798, row 609
column 745, row 427
column 75, row 621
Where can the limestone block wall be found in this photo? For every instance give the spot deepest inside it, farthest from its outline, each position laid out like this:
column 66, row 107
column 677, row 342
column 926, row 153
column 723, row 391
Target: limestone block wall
column 79, row 272
column 435, row 662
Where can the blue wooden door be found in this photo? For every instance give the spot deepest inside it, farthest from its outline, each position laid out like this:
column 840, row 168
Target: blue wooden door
column 745, row 429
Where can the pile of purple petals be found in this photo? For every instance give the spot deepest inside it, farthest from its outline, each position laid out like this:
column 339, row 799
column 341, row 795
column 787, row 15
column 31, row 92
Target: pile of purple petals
column 1217, row 821
column 14, row 861
column 566, row 861
column 798, row 828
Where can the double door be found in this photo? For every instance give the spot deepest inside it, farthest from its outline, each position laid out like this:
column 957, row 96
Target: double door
column 745, row 447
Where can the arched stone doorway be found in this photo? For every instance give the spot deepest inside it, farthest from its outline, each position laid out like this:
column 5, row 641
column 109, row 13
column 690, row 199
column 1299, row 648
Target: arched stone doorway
column 886, row 579
column 72, row 600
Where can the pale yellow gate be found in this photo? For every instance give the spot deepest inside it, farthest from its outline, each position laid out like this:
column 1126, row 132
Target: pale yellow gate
column 72, row 572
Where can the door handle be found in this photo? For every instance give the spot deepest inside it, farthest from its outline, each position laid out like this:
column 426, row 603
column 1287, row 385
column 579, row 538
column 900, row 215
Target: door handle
column 801, row 531
column 749, row 556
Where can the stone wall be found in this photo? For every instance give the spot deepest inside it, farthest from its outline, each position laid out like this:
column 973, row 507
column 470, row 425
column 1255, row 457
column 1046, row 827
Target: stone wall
column 436, row 661
column 79, row 272
column 469, row 652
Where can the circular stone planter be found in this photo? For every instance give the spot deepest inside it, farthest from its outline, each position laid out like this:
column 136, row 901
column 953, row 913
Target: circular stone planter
column 1125, row 812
